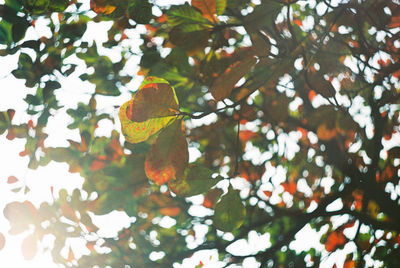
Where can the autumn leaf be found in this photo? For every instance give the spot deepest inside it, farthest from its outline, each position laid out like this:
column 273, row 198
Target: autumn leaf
column 207, row 7
column 102, row 7
column 12, row 179
column 224, row 84
column 2, row 241
column 29, row 247
column 168, row 156
column 196, row 180
column 152, row 108
column 230, row 212
column 335, row 240
column 211, row 197
column 153, row 100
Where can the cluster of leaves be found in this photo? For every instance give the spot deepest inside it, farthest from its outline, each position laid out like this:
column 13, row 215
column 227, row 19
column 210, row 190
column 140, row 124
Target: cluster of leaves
column 303, row 94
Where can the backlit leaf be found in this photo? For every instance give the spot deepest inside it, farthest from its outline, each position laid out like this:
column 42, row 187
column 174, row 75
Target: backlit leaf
column 196, row 180
column 230, row 212
column 168, row 156
column 223, row 86
column 207, row 8
column 185, row 14
column 220, row 6
column 29, row 247
column 2, row 241
column 136, row 132
column 152, row 101
column 102, row 7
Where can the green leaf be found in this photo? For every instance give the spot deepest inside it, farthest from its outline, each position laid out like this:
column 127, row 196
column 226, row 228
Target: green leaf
column 185, row 14
column 220, row 6
column 196, row 180
column 168, row 156
column 230, row 213
column 5, row 32
column 140, row 11
column 224, row 84
column 136, row 132
column 18, row 30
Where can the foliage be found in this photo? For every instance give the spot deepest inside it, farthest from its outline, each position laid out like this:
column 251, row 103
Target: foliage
column 304, row 96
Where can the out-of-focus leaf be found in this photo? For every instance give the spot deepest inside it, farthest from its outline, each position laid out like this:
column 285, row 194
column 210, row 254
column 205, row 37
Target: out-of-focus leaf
column 192, row 42
column 185, row 14
column 12, row 179
column 102, row 6
column 29, row 247
column 2, row 241
column 224, row 84
column 5, row 32
column 168, row 156
column 196, row 180
column 230, row 212
column 220, row 6
column 207, row 8
column 140, row 11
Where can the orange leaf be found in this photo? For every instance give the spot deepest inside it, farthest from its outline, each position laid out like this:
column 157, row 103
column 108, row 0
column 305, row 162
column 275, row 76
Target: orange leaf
column 211, row 198
column 223, row 85
column 290, row 187
column 324, row 133
column 97, row 165
column 29, row 247
column 170, row 211
column 2, row 241
column 207, row 8
column 335, row 240
column 101, row 7
column 12, row 179
column 168, row 156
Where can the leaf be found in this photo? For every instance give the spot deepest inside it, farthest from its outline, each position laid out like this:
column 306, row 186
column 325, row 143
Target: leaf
column 5, row 32
column 2, row 241
column 220, row 6
column 29, row 247
column 207, row 8
column 136, row 132
column 335, row 240
column 153, row 100
column 260, row 42
column 12, row 179
column 185, row 14
column 196, row 180
column 223, row 86
column 168, row 156
column 140, row 11
column 102, row 7
column 230, row 212
column 211, row 198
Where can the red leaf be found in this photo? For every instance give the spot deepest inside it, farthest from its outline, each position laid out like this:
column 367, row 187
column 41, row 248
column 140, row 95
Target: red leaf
column 246, row 135
column 223, row 86
column 12, row 179
column 290, row 187
column 168, row 156
column 207, row 8
column 152, row 101
column 97, row 165
column 335, row 240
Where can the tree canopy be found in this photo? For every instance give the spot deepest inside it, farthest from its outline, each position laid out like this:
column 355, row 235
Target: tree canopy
column 289, row 110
